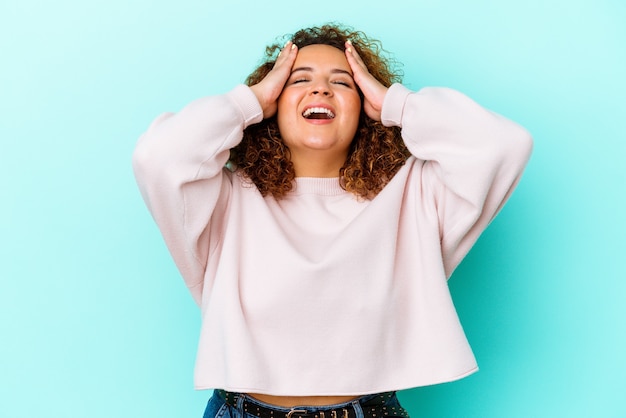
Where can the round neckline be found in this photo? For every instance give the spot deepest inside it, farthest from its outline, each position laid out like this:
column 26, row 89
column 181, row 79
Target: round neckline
column 327, row 186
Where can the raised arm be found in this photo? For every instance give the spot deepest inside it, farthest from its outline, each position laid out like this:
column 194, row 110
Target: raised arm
column 473, row 158
column 179, row 167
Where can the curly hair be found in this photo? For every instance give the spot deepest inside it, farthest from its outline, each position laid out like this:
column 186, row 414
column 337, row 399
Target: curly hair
column 376, row 153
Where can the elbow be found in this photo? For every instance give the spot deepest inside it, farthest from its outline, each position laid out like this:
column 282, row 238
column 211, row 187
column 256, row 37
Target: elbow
column 142, row 169
column 523, row 145
column 141, row 161
column 525, row 141
column 519, row 146
column 516, row 156
column 147, row 158
column 150, row 165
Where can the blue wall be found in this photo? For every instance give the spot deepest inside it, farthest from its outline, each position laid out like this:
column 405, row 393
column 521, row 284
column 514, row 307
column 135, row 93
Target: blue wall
column 94, row 318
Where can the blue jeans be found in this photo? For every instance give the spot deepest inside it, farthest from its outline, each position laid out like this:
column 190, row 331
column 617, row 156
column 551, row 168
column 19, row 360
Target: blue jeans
column 218, row 408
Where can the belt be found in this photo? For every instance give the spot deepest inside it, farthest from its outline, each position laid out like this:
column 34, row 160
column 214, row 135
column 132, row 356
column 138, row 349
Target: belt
column 374, row 407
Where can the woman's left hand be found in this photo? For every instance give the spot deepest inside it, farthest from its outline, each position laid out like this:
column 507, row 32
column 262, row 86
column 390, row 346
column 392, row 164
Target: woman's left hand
column 373, row 91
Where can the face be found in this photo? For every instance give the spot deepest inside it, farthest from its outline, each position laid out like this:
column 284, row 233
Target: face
column 319, row 107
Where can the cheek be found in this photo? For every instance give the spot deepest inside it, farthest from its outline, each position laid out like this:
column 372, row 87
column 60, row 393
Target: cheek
column 285, row 118
column 355, row 110
column 285, row 109
column 281, row 114
column 354, row 102
column 283, row 123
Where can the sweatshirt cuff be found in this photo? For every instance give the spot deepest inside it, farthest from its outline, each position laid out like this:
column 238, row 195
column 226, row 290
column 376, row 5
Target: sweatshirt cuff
column 393, row 105
column 248, row 105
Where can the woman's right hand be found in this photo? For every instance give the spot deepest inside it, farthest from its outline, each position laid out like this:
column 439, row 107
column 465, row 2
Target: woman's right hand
column 268, row 89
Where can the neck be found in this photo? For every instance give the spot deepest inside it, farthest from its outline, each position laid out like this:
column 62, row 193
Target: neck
column 317, row 164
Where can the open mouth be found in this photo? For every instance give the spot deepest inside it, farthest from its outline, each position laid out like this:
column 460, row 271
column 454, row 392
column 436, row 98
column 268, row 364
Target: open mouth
column 318, row 113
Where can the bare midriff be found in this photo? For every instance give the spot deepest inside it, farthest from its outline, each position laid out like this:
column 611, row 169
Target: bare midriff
column 289, row 401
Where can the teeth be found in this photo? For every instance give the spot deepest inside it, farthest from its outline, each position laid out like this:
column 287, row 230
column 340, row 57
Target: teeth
column 312, row 110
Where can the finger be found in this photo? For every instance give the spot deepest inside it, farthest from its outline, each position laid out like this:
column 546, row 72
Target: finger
column 270, row 88
column 372, row 89
column 287, row 53
column 284, row 62
column 354, row 56
column 360, row 72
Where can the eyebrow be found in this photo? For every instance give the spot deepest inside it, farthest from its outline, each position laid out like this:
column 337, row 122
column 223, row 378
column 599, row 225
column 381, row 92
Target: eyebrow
column 333, row 71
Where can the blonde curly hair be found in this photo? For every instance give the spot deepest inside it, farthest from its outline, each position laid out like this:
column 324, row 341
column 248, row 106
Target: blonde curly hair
column 376, row 153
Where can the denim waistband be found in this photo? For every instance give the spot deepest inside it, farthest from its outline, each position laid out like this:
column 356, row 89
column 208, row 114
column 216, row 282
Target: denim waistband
column 379, row 405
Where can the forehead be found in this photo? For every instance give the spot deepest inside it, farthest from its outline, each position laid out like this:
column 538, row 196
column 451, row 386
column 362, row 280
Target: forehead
column 321, row 55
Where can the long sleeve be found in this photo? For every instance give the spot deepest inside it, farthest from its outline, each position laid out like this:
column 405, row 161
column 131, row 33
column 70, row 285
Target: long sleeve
column 269, row 270
column 179, row 167
column 472, row 160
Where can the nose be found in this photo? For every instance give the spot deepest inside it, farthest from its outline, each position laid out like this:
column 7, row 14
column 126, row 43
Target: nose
column 321, row 88
column 323, row 92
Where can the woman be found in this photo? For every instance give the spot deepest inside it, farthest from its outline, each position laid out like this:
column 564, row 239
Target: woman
column 315, row 215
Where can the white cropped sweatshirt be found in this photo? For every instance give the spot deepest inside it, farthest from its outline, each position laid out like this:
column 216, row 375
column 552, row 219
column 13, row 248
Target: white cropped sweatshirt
column 321, row 293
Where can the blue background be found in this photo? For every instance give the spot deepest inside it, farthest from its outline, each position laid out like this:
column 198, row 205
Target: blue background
column 95, row 320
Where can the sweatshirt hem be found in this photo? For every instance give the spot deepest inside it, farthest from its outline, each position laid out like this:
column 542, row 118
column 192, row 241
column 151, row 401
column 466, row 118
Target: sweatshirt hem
column 391, row 388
